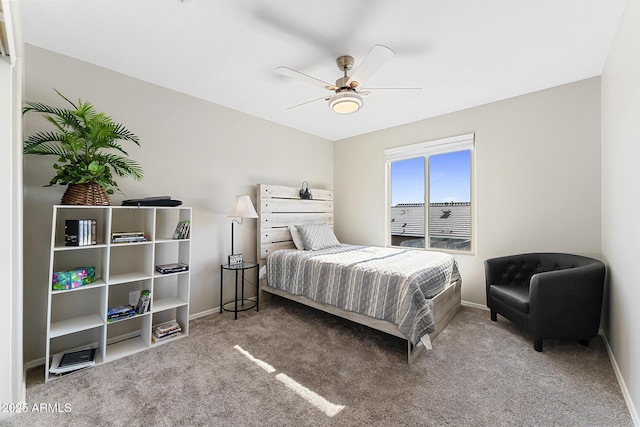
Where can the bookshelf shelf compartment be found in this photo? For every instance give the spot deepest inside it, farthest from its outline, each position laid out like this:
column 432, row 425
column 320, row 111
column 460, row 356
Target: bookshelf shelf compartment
column 97, row 284
column 118, row 279
column 77, row 318
column 126, row 347
column 168, row 303
column 76, row 324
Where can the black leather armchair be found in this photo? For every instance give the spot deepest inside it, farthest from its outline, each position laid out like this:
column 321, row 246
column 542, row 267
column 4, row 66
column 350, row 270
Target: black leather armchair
column 548, row 295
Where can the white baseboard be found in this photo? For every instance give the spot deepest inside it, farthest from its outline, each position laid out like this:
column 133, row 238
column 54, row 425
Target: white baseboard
column 204, row 313
column 475, row 305
column 623, row 387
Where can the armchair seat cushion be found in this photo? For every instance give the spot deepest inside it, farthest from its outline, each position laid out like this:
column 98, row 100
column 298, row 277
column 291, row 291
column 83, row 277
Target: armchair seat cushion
column 514, row 296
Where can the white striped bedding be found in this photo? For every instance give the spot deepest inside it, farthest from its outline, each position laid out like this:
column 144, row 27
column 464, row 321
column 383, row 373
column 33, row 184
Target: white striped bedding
column 391, row 284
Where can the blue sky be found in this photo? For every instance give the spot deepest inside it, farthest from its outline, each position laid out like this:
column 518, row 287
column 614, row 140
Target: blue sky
column 450, row 177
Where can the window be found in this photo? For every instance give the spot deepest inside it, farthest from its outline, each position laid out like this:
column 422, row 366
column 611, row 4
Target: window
column 430, row 189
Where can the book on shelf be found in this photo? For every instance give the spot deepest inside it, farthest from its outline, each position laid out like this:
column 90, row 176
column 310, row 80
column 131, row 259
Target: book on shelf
column 120, row 312
column 128, row 237
column 81, row 357
column 172, row 268
column 182, row 230
column 167, row 327
column 80, row 232
column 166, row 337
column 166, row 330
column 63, row 363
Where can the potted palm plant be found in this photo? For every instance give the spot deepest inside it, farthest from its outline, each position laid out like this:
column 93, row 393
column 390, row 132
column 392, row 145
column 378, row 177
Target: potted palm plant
column 87, row 144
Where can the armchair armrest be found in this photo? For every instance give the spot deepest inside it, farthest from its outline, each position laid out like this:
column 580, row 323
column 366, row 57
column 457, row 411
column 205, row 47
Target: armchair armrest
column 563, row 301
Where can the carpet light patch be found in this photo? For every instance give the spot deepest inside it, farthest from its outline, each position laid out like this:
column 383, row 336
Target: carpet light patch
column 264, row 365
column 329, row 409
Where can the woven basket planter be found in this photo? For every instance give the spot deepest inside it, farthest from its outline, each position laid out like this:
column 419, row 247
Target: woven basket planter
column 88, row 194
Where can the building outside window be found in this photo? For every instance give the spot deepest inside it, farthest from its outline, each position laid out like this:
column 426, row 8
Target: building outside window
column 430, row 191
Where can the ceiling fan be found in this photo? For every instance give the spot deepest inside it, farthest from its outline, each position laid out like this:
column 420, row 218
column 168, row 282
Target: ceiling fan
column 348, row 90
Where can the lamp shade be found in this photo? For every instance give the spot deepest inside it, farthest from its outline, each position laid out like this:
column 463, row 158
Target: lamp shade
column 242, row 208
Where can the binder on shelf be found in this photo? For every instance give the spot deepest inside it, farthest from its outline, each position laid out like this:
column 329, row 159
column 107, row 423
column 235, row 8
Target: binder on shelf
column 80, row 232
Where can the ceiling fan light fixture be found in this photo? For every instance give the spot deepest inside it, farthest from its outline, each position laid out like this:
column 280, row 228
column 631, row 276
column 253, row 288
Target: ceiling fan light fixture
column 345, row 102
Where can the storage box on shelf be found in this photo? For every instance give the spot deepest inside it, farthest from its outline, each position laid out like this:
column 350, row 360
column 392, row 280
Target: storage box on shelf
column 77, row 317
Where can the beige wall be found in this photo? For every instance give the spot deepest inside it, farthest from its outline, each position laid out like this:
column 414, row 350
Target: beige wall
column 192, row 150
column 537, row 174
column 620, row 201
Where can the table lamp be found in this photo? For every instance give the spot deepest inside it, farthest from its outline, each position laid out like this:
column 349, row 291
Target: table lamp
column 241, row 208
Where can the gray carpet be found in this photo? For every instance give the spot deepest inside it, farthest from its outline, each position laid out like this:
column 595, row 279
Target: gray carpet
column 478, row 373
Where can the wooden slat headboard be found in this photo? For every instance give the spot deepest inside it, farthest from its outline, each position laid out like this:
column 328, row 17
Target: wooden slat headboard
column 280, row 206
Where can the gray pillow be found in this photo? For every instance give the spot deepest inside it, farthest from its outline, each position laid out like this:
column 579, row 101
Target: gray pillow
column 297, row 241
column 317, row 236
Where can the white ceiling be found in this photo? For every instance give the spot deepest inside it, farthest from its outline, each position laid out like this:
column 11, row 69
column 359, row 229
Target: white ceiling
column 462, row 53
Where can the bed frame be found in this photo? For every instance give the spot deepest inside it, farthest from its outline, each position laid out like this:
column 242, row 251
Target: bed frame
column 281, row 206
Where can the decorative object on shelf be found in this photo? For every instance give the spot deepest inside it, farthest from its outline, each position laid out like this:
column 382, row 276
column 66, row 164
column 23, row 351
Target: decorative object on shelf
column 241, row 208
column 305, row 193
column 88, row 153
column 235, row 259
column 71, row 279
column 143, row 302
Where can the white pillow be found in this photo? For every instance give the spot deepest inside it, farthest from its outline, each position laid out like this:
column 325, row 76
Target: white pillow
column 317, row 236
column 295, row 236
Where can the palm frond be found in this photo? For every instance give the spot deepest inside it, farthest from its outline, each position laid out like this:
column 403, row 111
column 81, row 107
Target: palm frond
column 123, row 166
column 82, row 141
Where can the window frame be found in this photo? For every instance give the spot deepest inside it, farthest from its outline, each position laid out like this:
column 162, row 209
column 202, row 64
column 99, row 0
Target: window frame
column 425, row 150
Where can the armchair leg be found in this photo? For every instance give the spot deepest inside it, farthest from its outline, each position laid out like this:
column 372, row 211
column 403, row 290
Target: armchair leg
column 494, row 316
column 584, row 343
column 537, row 344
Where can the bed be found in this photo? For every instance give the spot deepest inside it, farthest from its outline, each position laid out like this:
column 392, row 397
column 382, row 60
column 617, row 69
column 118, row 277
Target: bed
column 377, row 287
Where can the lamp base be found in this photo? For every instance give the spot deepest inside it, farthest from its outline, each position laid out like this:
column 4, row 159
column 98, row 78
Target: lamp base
column 235, row 259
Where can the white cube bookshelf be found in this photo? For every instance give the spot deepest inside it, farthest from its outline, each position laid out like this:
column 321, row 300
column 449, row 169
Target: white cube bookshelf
column 77, row 318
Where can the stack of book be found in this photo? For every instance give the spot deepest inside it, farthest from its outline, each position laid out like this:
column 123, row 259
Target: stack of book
column 128, row 237
column 80, row 232
column 182, row 230
column 120, row 312
column 166, row 330
column 67, row 362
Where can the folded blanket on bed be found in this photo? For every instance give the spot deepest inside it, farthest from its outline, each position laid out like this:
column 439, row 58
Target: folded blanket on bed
column 391, row 284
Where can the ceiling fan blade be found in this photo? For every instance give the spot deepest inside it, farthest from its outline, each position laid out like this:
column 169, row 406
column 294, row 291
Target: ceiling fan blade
column 324, row 98
column 304, row 77
column 376, row 58
column 396, row 92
